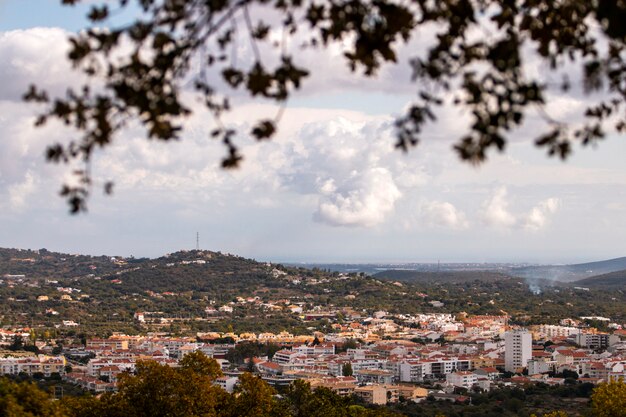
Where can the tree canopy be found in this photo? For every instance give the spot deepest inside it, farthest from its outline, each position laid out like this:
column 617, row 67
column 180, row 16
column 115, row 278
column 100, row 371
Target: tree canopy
column 477, row 61
column 160, row 390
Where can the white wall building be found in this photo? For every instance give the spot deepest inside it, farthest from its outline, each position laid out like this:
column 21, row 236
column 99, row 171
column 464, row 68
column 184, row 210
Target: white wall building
column 551, row 330
column 462, row 379
column 227, row 383
column 411, row 371
column 518, row 350
column 540, row 366
column 595, row 340
column 46, row 365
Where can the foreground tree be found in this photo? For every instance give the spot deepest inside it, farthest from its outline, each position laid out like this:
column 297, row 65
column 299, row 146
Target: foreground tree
column 609, row 399
column 475, row 62
column 160, row 390
column 26, row 400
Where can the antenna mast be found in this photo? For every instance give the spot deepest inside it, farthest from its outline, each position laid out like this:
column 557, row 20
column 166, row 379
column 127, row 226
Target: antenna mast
column 197, row 240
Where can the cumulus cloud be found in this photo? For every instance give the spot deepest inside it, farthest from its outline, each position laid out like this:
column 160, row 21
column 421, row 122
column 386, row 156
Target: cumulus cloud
column 539, row 215
column 337, row 167
column 352, row 169
column 496, row 210
column 37, row 55
column 19, row 193
column 365, row 199
column 443, row 214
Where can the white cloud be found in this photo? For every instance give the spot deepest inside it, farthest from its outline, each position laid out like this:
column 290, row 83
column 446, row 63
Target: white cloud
column 337, row 166
column 365, row 199
column 443, row 214
column 350, row 166
column 539, row 215
column 496, row 210
column 34, row 56
column 19, row 193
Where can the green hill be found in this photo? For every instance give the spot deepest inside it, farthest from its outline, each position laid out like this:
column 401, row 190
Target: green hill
column 42, row 263
column 614, row 280
column 102, row 294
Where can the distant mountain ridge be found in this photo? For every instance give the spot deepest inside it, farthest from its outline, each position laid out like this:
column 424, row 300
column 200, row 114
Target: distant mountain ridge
column 43, row 263
column 615, row 279
column 442, row 276
column 570, row 273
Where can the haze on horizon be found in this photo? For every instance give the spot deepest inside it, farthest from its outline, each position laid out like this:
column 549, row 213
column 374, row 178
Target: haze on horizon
column 329, row 188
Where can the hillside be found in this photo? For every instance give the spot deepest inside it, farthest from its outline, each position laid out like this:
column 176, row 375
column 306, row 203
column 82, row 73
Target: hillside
column 191, row 291
column 42, row 263
column 613, row 280
column 570, row 273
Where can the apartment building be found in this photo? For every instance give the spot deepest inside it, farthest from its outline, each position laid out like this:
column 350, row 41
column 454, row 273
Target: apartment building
column 372, row 394
column 112, row 344
column 46, row 365
column 550, row 331
column 462, row 379
column 595, row 340
column 518, row 349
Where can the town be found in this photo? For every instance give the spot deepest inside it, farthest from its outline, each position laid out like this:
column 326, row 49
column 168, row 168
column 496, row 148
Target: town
column 79, row 325
column 442, row 356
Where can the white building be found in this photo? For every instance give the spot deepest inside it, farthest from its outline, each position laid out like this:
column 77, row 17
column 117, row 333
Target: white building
column 595, row 340
column 321, row 349
column 518, row 350
column 540, row 366
column 227, row 383
column 551, row 330
column 283, row 357
column 46, row 365
column 226, row 309
column 462, row 379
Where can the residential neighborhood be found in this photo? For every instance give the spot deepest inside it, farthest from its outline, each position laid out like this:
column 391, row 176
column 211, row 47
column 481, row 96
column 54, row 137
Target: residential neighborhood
column 375, row 358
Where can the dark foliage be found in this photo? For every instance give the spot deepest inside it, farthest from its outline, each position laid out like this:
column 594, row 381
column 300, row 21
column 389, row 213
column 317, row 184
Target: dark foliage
column 485, row 75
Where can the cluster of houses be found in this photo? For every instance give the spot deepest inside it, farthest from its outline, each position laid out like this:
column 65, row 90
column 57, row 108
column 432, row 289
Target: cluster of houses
column 379, row 371
column 429, row 354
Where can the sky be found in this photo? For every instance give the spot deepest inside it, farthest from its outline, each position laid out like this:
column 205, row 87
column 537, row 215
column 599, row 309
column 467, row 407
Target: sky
column 329, row 188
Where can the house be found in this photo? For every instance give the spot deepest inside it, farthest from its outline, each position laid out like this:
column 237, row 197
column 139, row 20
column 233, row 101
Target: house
column 405, row 391
column 321, row 349
column 541, row 366
column 490, row 373
column 595, row 370
column 372, row 394
column 462, row 379
column 187, row 349
column 375, row 376
column 284, row 356
column 110, row 373
column 113, row 344
column 227, row 383
column 411, row 371
column 343, row 386
column 269, row 368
